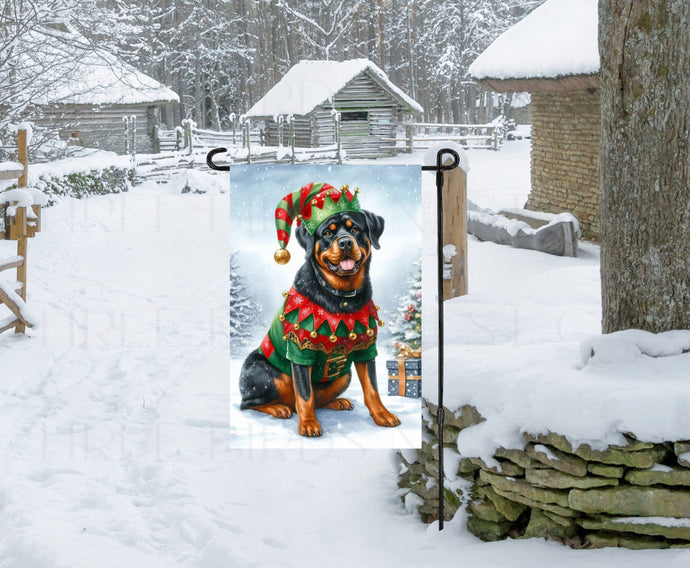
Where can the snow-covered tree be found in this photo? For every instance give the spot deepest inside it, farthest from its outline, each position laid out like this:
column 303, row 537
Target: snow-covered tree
column 245, row 311
column 24, row 77
column 406, row 327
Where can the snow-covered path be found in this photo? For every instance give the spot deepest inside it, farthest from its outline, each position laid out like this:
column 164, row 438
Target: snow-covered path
column 114, row 421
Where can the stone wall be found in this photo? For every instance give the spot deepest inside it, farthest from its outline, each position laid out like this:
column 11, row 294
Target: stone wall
column 635, row 496
column 565, row 156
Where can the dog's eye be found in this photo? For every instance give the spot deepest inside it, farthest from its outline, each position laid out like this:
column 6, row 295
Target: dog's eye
column 327, row 234
column 354, row 230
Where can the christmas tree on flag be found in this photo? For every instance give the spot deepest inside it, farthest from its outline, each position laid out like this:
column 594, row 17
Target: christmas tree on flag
column 406, row 326
column 245, row 311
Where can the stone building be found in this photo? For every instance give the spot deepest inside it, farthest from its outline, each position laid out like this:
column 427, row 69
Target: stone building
column 553, row 54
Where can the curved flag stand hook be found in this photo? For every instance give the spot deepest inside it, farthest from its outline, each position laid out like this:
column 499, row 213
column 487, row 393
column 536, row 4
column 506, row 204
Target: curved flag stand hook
column 439, row 168
column 209, row 160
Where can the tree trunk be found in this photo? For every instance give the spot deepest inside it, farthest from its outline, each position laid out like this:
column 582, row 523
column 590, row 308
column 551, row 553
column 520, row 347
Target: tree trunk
column 644, row 164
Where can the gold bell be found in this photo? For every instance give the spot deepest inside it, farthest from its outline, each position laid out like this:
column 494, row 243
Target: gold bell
column 370, row 332
column 297, row 327
column 352, row 336
column 285, row 294
column 378, row 308
column 284, row 337
column 356, row 190
column 332, row 338
column 281, row 317
column 381, row 323
column 281, row 256
column 313, row 334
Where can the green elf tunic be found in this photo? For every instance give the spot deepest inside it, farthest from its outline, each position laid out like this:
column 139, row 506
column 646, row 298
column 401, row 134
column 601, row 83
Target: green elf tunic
column 305, row 333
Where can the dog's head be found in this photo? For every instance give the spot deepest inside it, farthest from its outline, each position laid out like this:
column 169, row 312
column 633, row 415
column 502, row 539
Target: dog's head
column 341, row 247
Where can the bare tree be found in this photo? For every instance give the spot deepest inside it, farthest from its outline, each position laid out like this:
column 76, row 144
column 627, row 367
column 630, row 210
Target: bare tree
column 31, row 59
column 645, row 164
column 325, row 23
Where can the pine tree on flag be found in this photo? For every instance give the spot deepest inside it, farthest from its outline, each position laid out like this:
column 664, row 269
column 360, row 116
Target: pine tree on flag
column 245, row 311
column 406, row 326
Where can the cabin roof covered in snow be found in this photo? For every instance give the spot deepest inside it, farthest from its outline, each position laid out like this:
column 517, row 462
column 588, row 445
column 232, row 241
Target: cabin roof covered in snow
column 557, row 41
column 75, row 71
column 310, row 83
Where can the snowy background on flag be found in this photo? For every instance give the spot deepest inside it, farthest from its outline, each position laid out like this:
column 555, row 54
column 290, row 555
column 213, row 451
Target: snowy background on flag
column 392, row 191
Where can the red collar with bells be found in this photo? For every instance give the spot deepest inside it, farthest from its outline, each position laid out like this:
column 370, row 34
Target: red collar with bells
column 329, row 343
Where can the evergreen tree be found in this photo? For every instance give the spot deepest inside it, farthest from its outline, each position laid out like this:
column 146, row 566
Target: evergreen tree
column 407, row 325
column 245, row 311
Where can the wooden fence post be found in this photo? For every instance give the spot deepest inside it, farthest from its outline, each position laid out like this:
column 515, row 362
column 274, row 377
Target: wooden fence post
column 409, row 135
column 156, row 139
column 291, row 123
column 125, row 122
column 234, row 123
column 337, row 133
column 22, row 248
column 249, row 142
column 133, row 137
column 189, row 143
column 281, row 121
column 455, row 230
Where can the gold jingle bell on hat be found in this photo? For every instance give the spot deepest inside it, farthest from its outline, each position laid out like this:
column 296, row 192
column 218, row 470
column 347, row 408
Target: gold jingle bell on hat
column 312, row 204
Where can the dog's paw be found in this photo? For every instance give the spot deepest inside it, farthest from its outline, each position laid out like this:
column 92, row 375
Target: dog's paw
column 310, row 427
column 279, row 411
column 339, row 404
column 384, row 418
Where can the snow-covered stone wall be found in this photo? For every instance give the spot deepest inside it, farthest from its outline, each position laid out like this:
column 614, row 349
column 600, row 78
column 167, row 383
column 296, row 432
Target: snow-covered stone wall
column 636, row 495
column 565, row 155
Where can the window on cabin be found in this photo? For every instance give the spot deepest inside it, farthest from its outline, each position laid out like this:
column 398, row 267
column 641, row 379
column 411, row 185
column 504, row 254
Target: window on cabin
column 355, row 115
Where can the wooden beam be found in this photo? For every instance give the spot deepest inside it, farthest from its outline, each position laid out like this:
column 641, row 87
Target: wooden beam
column 455, row 230
column 14, row 308
column 23, row 156
column 11, row 172
column 14, row 263
column 567, row 84
column 21, row 269
column 9, row 326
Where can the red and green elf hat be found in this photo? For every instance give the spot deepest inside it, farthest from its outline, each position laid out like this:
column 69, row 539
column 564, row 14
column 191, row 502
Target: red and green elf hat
column 312, row 205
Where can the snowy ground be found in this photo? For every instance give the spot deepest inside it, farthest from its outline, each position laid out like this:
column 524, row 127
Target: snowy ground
column 114, row 413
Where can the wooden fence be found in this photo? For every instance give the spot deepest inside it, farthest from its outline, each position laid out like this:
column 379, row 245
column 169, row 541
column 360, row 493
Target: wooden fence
column 17, row 224
column 247, row 144
column 427, row 134
column 188, row 137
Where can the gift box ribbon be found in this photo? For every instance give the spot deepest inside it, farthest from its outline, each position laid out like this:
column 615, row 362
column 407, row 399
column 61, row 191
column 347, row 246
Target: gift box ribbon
column 405, row 352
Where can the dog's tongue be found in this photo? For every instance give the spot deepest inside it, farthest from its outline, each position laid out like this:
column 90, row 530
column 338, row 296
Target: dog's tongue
column 347, row 264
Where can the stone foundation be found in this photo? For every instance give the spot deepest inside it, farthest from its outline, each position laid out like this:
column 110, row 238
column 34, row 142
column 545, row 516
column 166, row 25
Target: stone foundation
column 634, row 496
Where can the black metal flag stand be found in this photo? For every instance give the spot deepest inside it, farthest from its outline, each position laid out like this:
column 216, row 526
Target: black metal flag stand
column 439, row 168
column 214, row 166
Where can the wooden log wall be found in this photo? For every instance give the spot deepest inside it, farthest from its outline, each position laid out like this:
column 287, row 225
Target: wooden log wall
column 366, row 135
column 101, row 128
column 367, row 139
column 303, row 132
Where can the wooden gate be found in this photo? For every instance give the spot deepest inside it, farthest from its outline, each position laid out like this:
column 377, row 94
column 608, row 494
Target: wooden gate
column 19, row 221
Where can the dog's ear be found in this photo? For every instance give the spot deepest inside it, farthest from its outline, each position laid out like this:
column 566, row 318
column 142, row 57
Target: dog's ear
column 375, row 227
column 305, row 240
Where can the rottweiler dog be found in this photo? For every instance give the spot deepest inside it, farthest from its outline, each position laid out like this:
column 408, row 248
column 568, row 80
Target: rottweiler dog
column 328, row 321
